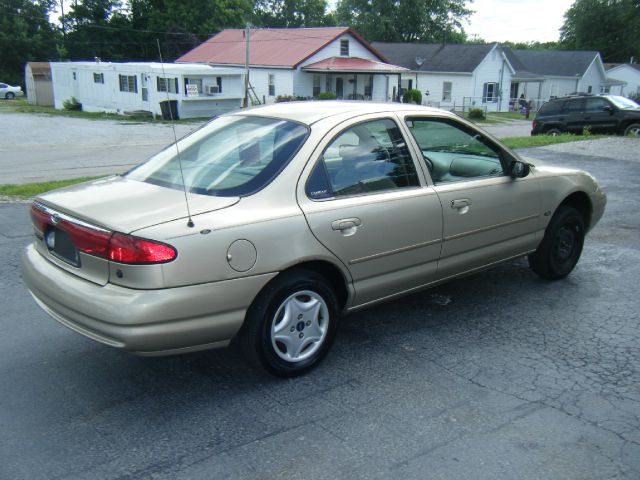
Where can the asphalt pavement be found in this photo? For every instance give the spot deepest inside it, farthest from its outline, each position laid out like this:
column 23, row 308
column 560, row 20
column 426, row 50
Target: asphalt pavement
column 496, row 376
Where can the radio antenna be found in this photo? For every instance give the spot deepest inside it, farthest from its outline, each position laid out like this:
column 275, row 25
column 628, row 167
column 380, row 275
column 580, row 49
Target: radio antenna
column 190, row 223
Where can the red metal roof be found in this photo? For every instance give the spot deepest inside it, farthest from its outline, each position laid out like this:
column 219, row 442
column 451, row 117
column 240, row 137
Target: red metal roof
column 277, row 47
column 352, row 65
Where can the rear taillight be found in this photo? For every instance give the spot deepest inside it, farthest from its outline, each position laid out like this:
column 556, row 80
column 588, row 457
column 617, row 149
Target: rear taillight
column 128, row 249
column 117, row 247
column 533, row 125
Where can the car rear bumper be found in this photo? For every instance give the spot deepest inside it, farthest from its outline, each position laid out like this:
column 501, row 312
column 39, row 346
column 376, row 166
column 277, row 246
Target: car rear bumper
column 145, row 322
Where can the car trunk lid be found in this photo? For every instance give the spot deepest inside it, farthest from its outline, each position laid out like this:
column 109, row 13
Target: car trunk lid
column 73, row 225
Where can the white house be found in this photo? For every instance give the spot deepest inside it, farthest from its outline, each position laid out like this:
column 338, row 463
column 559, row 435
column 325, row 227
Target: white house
column 454, row 76
column 629, row 74
column 560, row 73
column 495, row 78
column 199, row 90
column 302, row 62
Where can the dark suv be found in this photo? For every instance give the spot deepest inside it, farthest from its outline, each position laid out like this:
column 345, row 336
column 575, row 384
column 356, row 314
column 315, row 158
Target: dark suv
column 597, row 113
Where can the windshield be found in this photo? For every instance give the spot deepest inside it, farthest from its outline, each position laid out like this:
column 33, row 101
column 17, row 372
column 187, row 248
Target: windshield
column 623, row 102
column 231, row 156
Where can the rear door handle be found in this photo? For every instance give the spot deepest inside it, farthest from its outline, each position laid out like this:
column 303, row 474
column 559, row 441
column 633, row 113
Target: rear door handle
column 346, row 223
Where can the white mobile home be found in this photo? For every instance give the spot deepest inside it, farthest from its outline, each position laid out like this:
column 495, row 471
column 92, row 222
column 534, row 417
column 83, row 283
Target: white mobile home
column 199, row 90
column 628, row 75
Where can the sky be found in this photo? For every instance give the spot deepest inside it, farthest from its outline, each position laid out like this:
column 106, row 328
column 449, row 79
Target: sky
column 517, row 20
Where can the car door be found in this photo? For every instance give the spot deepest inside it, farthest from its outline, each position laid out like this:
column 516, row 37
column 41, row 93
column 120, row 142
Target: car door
column 488, row 216
column 599, row 115
column 573, row 112
column 365, row 200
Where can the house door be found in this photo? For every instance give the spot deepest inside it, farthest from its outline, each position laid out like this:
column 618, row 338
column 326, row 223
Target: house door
column 339, row 87
column 144, row 89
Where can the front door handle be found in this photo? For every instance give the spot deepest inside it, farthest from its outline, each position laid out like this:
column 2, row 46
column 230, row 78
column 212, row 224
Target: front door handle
column 460, row 203
column 346, row 224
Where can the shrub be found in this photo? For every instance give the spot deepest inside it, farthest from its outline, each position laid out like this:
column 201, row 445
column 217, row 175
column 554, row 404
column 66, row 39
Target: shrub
column 285, row 98
column 72, row 104
column 412, row 96
column 326, row 96
column 477, row 114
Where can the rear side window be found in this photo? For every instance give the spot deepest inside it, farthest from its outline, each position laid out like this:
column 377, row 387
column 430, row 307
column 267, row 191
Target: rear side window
column 575, row 105
column 367, row 158
column 551, row 108
column 237, row 157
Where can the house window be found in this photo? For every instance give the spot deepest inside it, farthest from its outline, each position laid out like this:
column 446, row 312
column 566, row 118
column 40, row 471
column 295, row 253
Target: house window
column 490, row 92
column 128, row 83
column 167, row 84
column 272, row 85
column 74, row 75
column 219, row 83
column 589, row 89
column 446, row 91
column 193, row 81
column 98, row 78
column 344, row 48
column 316, row 85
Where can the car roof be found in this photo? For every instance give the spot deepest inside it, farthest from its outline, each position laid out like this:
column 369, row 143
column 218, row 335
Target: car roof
column 311, row 112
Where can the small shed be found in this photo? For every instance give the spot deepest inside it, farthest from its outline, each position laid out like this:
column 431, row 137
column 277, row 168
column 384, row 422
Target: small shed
column 37, row 78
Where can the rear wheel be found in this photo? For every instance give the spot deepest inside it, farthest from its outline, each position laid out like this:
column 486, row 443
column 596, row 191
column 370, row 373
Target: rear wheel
column 554, row 132
column 561, row 247
column 632, row 130
column 292, row 323
column 10, row 96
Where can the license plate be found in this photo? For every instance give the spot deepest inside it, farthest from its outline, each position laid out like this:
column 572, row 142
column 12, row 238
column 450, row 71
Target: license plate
column 60, row 245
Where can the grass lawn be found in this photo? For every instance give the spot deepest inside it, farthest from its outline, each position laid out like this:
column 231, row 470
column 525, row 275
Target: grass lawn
column 542, row 140
column 29, row 190
column 22, row 106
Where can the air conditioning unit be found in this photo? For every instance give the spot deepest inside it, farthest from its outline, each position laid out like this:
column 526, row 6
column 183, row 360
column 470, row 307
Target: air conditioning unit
column 213, row 89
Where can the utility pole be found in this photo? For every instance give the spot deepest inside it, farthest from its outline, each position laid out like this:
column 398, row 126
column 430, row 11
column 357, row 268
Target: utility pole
column 247, row 33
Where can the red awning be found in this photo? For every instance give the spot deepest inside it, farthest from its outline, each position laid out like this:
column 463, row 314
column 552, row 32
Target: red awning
column 352, row 65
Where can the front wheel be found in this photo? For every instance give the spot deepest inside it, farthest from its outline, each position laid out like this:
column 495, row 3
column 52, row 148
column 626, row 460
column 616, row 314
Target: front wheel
column 560, row 249
column 554, row 132
column 291, row 324
column 632, row 130
column 10, row 96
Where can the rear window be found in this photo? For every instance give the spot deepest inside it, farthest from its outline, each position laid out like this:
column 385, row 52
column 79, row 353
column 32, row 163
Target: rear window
column 233, row 156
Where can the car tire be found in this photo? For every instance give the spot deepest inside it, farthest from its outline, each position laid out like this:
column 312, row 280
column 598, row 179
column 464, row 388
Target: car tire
column 10, row 96
column 288, row 347
column 561, row 247
column 632, row 130
column 553, row 132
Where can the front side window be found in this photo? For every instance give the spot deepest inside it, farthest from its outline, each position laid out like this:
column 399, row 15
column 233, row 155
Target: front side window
column 233, row 156
column 367, row 158
column 453, row 152
column 594, row 105
column 128, row 83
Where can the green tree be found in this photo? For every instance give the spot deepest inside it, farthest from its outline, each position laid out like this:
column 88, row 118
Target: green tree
column 291, row 13
column 406, row 20
column 25, row 35
column 609, row 26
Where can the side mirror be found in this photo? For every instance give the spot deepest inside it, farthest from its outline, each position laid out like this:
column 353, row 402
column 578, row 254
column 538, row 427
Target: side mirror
column 519, row 169
column 608, row 108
